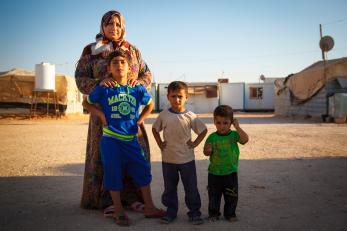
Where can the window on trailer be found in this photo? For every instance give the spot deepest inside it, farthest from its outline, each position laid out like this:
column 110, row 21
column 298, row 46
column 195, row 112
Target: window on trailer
column 256, row 93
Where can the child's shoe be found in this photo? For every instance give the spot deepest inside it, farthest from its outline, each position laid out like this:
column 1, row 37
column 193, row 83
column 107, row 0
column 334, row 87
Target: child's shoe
column 232, row 218
column 213, row 218
column 196, row 220
column 167, row 219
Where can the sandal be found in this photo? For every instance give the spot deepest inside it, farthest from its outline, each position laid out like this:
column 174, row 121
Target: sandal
column 138, row 207
column 122, row 220
column 159, row 213
column 108, row 212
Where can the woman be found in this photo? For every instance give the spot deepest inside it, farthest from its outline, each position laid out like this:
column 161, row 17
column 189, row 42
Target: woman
column 92, row 71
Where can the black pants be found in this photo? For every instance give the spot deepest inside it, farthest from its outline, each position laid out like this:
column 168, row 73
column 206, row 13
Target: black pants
column 228, row 187
column 169, row 198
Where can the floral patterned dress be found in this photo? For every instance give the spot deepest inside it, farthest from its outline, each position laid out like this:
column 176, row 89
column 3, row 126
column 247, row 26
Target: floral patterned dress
column 90, row 70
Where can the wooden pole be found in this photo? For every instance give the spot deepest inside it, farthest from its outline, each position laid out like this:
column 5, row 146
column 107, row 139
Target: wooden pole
column 325, row 76
column 321, row 36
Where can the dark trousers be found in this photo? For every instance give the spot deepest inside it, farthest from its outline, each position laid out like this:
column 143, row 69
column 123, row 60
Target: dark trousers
column 169, row 198
column 222, row 185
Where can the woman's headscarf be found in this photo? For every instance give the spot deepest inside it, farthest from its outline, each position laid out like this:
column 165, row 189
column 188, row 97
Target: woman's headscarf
column 107, row 18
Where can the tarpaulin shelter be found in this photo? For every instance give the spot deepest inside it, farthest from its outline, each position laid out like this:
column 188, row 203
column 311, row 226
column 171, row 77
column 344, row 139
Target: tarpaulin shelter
column 307, row 92
column 16, row 88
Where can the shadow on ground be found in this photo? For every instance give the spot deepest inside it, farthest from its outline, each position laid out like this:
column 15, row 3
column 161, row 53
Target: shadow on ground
column 274, row 195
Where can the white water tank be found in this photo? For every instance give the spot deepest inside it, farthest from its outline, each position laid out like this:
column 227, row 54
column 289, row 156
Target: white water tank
column 44, row 77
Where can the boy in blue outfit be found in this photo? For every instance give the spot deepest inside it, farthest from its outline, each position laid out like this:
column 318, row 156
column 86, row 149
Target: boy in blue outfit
column 120, row 150
column 222, row 148
column 178, row 152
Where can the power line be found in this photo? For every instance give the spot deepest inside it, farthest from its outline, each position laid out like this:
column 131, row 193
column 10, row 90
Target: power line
column 228, row 58
column 335, row 21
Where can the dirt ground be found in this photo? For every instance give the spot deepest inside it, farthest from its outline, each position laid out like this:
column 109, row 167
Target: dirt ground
column 292, row 176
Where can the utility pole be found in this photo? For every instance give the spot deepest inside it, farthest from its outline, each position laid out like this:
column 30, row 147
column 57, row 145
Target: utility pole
column 325, row 74
column 321, row 36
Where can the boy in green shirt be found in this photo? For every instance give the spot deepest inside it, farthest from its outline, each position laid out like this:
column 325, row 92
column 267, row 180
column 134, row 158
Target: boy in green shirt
column 222, row 148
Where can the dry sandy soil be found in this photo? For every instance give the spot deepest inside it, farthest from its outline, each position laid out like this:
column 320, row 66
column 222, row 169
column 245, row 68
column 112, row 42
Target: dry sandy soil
column 292, row 176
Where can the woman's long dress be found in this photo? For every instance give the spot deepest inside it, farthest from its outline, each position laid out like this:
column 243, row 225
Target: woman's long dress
column 90, row 70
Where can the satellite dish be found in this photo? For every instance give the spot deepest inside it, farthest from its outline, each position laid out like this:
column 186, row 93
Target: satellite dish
column 262, row 77
column 326, row 43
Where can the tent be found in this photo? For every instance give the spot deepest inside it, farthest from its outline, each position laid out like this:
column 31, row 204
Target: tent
column 307, row 92
column 16, row 88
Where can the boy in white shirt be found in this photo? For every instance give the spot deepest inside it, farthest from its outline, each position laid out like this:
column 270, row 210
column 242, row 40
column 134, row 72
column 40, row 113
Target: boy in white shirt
column 178, row 152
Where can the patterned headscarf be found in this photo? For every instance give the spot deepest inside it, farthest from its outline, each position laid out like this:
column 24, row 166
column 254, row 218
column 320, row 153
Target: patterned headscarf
column 107, row 18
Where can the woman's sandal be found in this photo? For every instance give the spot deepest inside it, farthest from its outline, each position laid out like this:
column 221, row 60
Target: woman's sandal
column 158, row 214
column 108, row 212
column 138, row 207
column 122, row 220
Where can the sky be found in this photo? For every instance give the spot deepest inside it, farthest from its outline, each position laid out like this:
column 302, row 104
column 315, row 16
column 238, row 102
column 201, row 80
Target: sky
column 188, row 40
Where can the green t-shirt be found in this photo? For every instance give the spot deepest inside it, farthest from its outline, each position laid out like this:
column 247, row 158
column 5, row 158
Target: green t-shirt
column 224, row 158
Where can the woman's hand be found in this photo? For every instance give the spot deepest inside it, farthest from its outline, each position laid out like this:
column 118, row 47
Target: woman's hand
column 133, row 81
column 108, row 82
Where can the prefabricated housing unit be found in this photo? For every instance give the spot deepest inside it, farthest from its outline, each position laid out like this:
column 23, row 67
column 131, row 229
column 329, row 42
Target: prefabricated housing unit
column 259, row 96
column 202, row 97
column 232, row 94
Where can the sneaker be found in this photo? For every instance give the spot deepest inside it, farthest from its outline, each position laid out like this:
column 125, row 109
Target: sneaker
column 213, row 218
column 196, row 220
column 167, row 219
column 232, row 218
